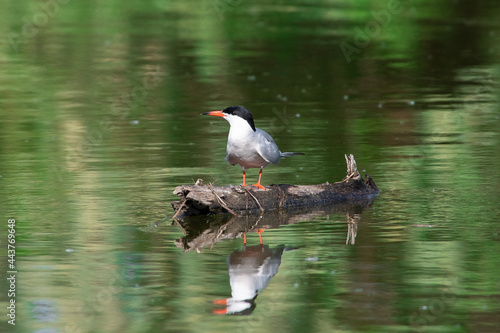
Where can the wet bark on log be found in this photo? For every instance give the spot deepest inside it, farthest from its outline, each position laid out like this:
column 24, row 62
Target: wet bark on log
column 207, row 199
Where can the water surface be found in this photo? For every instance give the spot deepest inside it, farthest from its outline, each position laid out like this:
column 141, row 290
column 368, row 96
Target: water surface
column 100, row 119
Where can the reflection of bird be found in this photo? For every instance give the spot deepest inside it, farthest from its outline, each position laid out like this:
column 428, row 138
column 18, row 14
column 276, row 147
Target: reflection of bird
column 247, row 145
column 249, row 272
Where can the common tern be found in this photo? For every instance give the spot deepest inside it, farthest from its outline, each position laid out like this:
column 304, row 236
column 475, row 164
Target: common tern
column 248, row 146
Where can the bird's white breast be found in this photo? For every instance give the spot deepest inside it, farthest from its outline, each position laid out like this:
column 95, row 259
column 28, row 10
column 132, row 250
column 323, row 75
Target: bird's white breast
column 242, row 144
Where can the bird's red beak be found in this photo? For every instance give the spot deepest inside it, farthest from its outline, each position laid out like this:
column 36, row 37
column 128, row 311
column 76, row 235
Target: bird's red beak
column 214, row 113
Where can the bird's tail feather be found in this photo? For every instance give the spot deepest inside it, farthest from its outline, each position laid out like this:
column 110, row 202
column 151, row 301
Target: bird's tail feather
column 287, row 154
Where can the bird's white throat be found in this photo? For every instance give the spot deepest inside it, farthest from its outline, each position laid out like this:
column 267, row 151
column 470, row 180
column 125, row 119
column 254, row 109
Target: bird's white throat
column 240, row 129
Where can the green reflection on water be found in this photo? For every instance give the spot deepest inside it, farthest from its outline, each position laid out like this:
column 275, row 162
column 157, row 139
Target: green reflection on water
column 99, row 121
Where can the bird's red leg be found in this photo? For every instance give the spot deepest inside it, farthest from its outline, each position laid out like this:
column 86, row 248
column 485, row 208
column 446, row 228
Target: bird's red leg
column 260, row 237
column 244, row 178
column 258, row 183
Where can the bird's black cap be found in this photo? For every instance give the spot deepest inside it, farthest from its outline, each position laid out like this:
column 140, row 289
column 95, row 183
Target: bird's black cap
column 241, row 111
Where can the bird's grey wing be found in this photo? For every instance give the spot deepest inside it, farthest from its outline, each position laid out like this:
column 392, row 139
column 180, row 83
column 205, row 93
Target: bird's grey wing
column 267, row 148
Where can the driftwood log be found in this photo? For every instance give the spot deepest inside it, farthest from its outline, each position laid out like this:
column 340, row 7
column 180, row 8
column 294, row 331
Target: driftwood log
column 207, row 199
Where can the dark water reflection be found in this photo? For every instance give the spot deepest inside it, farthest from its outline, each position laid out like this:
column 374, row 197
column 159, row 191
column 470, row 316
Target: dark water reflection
column 252, row 267
column 99, row 121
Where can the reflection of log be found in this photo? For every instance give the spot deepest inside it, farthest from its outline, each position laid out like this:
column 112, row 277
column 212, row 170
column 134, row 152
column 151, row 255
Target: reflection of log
column 201, row 200
column 352, row 227
column 206, row 231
